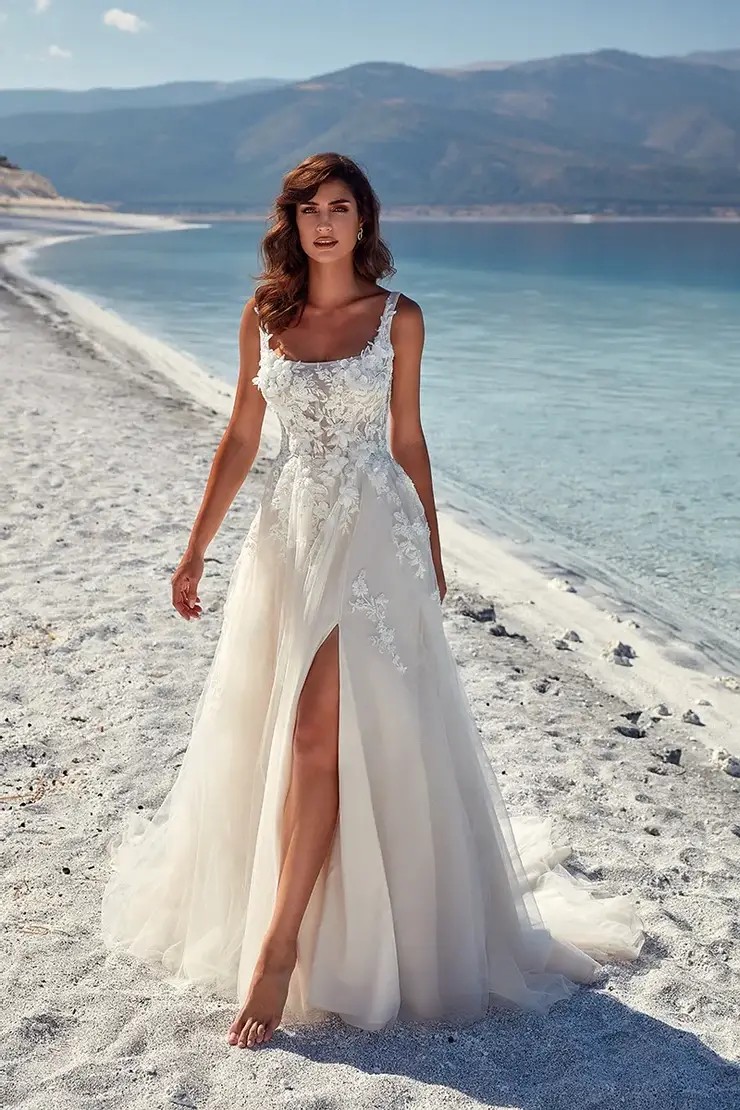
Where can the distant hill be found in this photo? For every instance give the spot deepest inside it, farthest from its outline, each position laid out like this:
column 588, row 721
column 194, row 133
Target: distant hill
column 15, row 102
column 730, row 59
column 607, row 130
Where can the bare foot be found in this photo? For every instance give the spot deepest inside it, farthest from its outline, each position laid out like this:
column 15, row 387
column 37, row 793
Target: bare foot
column 263, row 1007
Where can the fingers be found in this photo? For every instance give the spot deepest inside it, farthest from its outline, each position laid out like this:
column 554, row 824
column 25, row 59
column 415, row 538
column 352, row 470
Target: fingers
column 185, row 599
column 185, row 607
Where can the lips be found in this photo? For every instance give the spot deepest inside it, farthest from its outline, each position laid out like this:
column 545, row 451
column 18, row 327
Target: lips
column 325, row 242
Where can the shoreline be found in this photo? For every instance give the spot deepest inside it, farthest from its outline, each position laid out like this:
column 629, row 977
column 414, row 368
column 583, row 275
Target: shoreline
column 413, row 214
column 540, row 596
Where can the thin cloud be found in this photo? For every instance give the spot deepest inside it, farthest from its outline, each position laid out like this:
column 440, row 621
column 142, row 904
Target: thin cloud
column 41, row 5
column 59, row 52
column 123, row 21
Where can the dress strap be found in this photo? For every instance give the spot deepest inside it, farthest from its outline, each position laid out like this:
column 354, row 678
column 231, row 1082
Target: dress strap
column 258, row 318
column 389, row 309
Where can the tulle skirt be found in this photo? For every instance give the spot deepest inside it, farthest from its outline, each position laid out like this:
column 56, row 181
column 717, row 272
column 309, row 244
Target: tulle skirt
column 433, row 902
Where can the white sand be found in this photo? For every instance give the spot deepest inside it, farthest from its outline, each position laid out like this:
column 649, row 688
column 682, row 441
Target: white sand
column 73, row 211
column 105, row 456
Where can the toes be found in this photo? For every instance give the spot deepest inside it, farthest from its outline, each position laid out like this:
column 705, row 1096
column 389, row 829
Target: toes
column 260, row 1033
column 235, row 1029
column 244, row 1033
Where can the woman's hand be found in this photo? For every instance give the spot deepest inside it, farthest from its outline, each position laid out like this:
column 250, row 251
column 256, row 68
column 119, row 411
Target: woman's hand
column 185, row 585
column 441, row 583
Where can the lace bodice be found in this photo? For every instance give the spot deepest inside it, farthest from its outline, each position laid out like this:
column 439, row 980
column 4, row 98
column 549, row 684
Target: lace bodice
column 333, row 418
column 333, row 409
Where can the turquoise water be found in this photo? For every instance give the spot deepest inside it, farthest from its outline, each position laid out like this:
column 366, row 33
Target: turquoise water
column 580, row 383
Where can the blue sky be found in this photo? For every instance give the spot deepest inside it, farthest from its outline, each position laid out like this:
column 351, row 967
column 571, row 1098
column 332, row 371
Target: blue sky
column 78, row 44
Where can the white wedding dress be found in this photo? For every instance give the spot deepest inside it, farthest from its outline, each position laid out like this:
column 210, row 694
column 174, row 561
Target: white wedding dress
column 433, row 902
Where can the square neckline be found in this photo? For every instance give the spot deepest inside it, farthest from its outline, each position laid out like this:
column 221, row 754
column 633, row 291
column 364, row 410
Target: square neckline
column 333, row 361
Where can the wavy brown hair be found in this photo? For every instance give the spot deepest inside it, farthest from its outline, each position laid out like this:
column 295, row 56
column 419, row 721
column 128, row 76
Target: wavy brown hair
column 282, row 294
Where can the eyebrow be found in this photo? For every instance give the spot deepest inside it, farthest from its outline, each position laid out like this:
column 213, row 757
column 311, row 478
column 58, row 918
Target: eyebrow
column 339, row 200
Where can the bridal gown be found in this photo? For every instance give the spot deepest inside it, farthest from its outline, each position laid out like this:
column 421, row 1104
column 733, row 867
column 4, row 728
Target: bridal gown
column 433, row 902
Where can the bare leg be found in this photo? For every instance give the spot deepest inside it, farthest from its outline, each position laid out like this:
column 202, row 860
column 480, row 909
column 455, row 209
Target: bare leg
column 309, row 820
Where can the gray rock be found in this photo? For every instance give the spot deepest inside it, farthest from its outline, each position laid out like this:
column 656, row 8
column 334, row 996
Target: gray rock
column 486, row 614
column 632, row 731
column 669, row 755
column 691, row 718
column 730, row 764
column 617, row 652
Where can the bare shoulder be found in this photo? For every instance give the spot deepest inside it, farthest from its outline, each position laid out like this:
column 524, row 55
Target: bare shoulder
column 407, row 325
column 249, row 313
column 249, row 322
column 408, row 308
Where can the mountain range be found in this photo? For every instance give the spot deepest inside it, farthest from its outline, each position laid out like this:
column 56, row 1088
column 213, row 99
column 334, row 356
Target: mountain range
column 608, row 130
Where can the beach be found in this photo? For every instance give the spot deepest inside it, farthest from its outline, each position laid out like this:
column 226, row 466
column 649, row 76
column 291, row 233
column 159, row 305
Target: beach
column 106, row 451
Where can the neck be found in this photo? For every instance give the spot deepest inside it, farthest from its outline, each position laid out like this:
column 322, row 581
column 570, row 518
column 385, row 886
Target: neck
column 333, row 285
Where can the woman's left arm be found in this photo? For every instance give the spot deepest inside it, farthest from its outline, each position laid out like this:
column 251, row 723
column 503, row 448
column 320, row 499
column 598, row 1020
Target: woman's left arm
column 407, row 442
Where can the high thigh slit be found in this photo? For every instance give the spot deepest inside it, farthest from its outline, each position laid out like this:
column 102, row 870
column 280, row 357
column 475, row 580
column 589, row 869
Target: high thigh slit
column 434, row 901
column 305, row 936
column 301, row 695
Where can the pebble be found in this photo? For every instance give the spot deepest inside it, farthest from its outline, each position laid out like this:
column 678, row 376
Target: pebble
column 669, row 755
column 691, row 718
column 730, row 764
column 631, row 730
column 619, row 653
column 486, row 614
column 563, row 584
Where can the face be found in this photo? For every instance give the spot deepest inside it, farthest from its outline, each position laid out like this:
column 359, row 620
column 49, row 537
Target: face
column 331, row 214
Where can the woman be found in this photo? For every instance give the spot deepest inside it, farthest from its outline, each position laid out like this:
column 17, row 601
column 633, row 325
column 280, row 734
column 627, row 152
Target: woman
column 336, row 841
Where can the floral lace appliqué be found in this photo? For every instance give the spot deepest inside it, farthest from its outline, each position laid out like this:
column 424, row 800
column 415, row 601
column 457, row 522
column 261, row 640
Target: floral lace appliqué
column 374, row 607
column 408, row 537
column 333, row 418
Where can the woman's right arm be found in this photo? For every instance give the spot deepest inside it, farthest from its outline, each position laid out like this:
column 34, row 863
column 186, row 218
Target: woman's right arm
column 231, row 463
